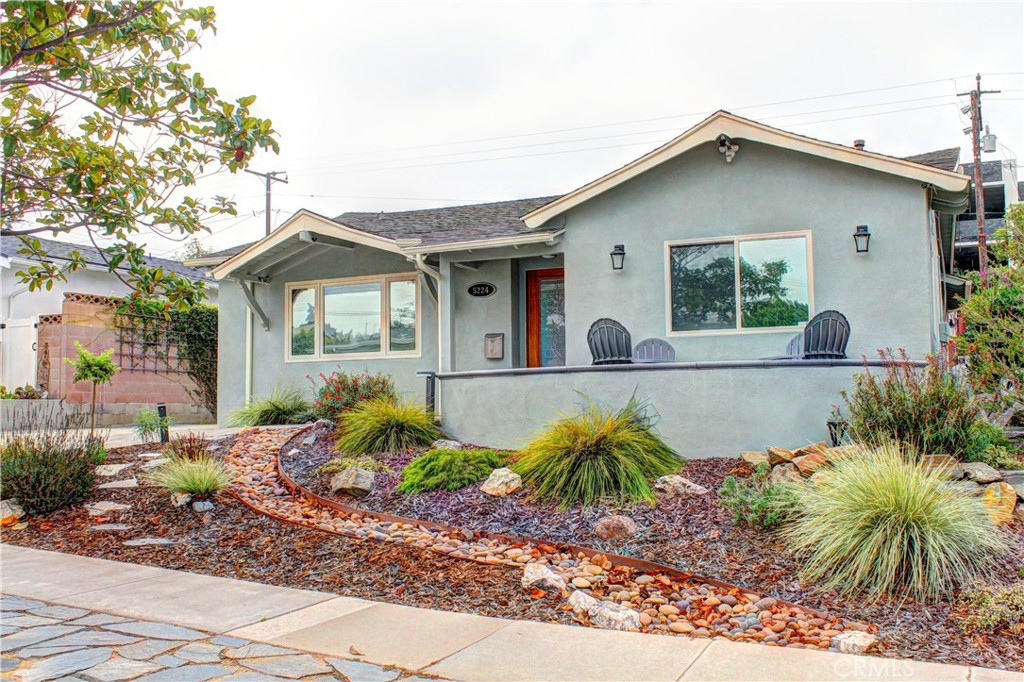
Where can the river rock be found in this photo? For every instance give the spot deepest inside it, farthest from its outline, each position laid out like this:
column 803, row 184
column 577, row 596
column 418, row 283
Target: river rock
column 445, row 444
column 677, row 486
column 202, row 506
column 502, row 482
column 615, row 527
column 1000, row 499
column 10, row 512
column 542, row 577
column 353, row 481
column 854, row 642
column 980, row 472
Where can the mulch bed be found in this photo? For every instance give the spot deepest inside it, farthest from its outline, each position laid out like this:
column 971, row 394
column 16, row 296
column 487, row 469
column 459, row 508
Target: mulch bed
column 696, row 535
column 235, row 542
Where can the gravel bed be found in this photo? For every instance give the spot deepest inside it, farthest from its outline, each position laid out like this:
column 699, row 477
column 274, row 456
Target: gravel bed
column 234, row 542
column 696, row 535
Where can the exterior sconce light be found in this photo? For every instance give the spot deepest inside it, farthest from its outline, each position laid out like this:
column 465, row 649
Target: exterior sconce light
column 861, row 238
column 726, row 146
column 618, row 255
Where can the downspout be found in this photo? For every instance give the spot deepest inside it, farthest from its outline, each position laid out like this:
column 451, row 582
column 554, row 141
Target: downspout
column 248, row 355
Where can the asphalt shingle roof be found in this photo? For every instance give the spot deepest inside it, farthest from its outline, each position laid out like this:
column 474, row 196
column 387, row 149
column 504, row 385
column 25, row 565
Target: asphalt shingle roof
column 449, row 225
column 61, row 250
column 944, row 159
column 991, row 171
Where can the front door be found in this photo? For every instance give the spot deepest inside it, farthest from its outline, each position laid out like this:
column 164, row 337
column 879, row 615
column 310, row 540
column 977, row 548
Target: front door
column 545, row 317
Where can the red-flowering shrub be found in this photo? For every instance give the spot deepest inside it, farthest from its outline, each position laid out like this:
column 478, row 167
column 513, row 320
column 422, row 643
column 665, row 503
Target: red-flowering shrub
column 340, row 391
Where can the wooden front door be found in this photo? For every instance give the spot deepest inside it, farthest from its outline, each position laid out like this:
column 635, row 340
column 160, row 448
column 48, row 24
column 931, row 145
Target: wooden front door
column 545, row 317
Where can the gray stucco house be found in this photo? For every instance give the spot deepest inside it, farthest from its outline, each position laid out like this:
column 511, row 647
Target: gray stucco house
column 734, row 233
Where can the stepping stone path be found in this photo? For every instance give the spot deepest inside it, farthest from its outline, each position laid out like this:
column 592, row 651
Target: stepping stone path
column 103, row 527
column 660, row 603
column 146, row 542
column 111, row 469
column 154, row 463
column 126, row 483
column 150, row 455
column 103, row 648
column 105, row 507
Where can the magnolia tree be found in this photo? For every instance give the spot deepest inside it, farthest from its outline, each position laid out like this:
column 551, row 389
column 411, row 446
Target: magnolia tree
column 106, row 129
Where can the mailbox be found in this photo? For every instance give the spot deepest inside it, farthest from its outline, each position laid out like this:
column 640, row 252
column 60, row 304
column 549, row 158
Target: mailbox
column 494, row 346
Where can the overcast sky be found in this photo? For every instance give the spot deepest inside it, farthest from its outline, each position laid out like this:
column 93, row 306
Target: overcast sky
column 397, row 106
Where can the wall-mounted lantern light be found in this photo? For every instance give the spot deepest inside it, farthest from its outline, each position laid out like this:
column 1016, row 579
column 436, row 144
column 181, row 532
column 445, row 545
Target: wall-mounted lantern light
column 861, row 238
column 618, row 255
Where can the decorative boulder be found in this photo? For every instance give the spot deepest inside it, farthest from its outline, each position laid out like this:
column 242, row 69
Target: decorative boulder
column 1000, row 499
column 677, row 486
column 502, row 482
column 443, row 444
column 202, row 506
column 536, row 576
column 779, row 455
column 754, row 457
column 980, row 472
column 945, row 462
column 323, row 425
column 819, row 447
column 809, row 463
column 785, row 473
column 966, row 487
column 353, row 481
column 180, row 499
column 604, row 614
column 854, row 642
column 615, row 527
column 10, row 512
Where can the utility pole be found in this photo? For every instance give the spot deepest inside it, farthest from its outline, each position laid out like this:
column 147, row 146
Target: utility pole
column 979, row 190
column 270, row 178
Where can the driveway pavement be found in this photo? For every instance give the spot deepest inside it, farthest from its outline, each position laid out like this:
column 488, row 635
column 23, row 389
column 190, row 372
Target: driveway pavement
column 319, row 636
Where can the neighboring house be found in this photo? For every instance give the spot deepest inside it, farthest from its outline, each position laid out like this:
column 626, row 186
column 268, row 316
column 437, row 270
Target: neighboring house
column 1002, row 188
column 39, row 327
column 727, row 253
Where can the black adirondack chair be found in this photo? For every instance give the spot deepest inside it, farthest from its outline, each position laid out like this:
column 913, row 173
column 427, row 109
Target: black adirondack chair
column 826, row 336
column 610, row 343
column 654, row 350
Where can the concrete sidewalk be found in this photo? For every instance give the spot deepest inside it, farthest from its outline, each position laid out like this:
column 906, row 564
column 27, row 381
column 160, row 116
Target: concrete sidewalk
column 123, row 436
column 452, row 645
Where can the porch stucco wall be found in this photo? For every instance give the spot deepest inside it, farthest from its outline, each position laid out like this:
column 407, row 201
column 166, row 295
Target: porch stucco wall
column 703, row 412
column 269, row 366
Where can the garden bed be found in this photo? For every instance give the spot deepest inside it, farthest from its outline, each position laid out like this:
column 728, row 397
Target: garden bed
column 695, row 535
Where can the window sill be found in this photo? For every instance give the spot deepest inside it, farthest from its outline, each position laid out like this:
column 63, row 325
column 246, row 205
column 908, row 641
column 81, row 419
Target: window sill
column 354, row 356
column 735, row 332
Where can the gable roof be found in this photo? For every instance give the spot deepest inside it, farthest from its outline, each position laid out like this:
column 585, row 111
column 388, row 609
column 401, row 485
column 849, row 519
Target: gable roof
column 722, row 123
column 449, row 225
column 61, row 251
column 991, row 171
column 946, row 159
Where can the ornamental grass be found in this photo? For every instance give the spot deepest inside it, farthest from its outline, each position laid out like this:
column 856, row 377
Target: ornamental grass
column 597, row 453
column 877, row 522
column 382, row 425
column 284, row 405
column 447, row 469
column 200, row 477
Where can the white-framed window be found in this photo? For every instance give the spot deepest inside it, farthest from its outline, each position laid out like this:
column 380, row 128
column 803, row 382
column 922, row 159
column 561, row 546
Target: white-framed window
column 353, row 318
column 747, row 283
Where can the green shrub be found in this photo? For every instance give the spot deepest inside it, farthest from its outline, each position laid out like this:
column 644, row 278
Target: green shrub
column 990, row 445
column 189, row 446
column 96, row 450
column 46, row 471
column 339, row 464
column 198, row 477
column 990, row 608
column 148, row 425
column 445, row 469
column 386, row 426
column 756, row 501
column 879, row 522
column 340, row 391
column 597, row 453
column 284, row 405
column 928, row 409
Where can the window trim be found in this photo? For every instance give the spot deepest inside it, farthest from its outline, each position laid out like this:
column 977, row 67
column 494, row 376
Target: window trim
column 736, row 240
column 318, row 286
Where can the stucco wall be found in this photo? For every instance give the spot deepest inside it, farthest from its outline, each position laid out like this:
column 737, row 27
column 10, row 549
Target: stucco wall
column 269, row 366
column 703, row 413
column 887, row 294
